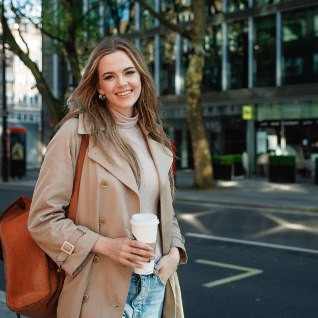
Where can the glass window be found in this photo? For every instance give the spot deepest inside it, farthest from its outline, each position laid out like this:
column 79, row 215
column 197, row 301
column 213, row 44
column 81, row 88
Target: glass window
column 236, row 5
column 237, row 70
column 119, row 15
column 185, row 51
column 167, row 63
column 213, row 59
column 265, row 52
column 176, row 10
column 266, row 2
column 147, row 19
column 214, row 7
column 147, row 50
column 300, row 30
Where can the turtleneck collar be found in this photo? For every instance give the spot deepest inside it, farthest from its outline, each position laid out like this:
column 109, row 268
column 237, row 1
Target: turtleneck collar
column 123, row 121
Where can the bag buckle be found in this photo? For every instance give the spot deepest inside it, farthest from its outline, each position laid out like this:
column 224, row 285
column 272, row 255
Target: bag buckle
column 67, row 247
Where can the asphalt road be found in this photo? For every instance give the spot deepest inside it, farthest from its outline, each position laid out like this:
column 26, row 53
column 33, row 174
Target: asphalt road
column 245, row 263
column 248, row 263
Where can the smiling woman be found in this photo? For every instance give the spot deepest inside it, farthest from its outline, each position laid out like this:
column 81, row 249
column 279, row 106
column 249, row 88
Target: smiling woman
column 119, row 82
column 127, row 170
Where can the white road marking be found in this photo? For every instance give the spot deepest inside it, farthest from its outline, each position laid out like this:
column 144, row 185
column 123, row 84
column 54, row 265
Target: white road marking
column 248, row 272
column 232, row 240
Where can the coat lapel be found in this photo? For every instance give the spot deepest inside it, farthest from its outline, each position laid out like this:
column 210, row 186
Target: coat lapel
column 120, row 169
column 162, row 158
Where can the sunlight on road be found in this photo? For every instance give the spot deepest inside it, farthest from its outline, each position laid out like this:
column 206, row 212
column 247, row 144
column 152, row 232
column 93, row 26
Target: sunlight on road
column 192, row 219
column 283, row 225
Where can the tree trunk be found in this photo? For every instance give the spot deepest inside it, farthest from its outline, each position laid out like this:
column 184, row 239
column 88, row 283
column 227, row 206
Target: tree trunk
column 203, row 172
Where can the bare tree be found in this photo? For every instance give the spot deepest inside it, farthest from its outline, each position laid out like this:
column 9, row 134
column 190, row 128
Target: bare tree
column 73, row 31
column 194, row 32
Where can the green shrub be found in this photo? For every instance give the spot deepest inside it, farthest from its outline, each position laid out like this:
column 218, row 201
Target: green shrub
column 227, row 159
column 282, row 160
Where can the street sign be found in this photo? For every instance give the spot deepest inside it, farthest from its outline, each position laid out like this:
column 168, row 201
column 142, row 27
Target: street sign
column 247, row 112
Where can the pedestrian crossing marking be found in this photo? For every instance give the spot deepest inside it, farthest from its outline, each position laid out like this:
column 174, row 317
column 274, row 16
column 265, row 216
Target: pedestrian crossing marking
column 248, row 272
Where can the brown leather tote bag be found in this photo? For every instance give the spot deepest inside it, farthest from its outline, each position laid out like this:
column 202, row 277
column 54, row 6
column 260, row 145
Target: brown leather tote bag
column 33, row 281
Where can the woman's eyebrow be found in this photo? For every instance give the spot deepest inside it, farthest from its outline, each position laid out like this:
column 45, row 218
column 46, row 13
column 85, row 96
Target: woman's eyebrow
column 124, row 70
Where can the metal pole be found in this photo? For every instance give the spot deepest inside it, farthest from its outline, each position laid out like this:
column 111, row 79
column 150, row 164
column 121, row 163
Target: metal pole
column 5, row 162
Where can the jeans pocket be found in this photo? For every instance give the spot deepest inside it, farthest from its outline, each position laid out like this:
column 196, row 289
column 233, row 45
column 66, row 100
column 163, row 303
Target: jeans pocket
column 161, row 282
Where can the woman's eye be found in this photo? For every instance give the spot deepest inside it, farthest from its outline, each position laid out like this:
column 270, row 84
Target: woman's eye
column 131, row 72
column 108, row 77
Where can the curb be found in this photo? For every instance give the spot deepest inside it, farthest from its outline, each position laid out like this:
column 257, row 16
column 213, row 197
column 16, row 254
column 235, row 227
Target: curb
column 12, row 186
column 2, row 297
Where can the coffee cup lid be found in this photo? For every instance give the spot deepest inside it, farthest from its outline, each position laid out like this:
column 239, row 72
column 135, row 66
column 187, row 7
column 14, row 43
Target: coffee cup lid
column 144, row 218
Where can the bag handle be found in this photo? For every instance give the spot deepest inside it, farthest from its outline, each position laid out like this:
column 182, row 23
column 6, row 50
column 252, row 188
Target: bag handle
column 77, row 178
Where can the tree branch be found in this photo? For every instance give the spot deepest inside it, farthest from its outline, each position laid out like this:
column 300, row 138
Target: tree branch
column 38, row 26
column 182, row 30
column 42, row 85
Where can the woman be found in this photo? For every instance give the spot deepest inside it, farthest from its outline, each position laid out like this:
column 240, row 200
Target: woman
column 127, row 170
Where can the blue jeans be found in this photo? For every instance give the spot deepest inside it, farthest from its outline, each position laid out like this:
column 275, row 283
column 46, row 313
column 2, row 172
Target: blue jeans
column 145, row 297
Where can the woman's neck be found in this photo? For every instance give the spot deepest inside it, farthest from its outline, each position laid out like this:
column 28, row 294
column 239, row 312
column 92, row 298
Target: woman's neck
column 123, row 121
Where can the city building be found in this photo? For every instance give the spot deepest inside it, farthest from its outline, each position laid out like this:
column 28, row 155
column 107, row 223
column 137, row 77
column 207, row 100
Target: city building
column 24, row 103
column 260, row 82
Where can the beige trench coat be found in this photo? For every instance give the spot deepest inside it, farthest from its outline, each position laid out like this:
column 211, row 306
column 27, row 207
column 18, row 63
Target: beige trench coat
column 95, row 286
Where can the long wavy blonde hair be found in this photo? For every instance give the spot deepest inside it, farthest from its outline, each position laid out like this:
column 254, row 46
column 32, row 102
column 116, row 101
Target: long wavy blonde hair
column 85, row 99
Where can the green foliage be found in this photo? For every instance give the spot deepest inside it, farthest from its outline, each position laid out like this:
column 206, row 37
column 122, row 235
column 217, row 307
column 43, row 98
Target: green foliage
column 282, row 160
column 227, row 159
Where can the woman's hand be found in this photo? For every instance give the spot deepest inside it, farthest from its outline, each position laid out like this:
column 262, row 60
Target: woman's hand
column 168, row 264
column 124, row 251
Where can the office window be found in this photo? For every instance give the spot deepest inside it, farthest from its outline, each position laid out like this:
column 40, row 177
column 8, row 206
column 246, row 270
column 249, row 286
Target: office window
column 236, row 5
column 213, row 59
column 119, row 17
column 265, row 52
column 147, row 50
column 146, row 18
column 167, row 64
column 300, row 47
column 177, row 11
column 237, row 55
column 214, row 7
column 266, row 2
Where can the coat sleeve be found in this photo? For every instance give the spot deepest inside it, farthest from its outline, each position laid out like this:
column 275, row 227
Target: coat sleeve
column 69, row 245
column 177, row 240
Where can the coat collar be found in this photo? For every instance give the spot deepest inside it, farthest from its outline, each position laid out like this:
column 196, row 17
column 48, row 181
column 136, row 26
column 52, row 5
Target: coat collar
column 84, row 127
column 161, row 155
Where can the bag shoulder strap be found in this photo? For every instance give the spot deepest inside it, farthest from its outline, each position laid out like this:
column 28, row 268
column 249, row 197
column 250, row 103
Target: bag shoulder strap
column 77, row 178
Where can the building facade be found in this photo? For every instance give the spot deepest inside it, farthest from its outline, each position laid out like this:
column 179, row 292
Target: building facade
column 24, row 103
column 261, row 59
column 260, row 81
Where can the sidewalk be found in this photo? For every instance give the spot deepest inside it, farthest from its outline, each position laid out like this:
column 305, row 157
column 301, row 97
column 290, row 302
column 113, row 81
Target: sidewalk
column 255, row 191
column 249, row 192
column 252, row 192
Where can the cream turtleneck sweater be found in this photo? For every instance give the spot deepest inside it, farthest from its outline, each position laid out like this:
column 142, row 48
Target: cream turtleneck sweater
column 149, row 181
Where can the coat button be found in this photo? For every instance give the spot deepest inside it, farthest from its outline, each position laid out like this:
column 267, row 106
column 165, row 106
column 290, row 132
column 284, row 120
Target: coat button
column 101, row 221
column 96, row 259
column 85, row 298
column 104, row 183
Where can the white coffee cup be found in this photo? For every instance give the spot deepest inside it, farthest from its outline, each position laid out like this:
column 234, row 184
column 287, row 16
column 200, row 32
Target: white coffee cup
column 144, row 228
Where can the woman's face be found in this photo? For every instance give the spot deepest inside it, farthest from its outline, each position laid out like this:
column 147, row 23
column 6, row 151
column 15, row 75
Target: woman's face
column 119, row 81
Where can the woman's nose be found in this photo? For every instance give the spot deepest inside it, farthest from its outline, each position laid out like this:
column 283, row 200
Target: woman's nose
column 121, row 81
